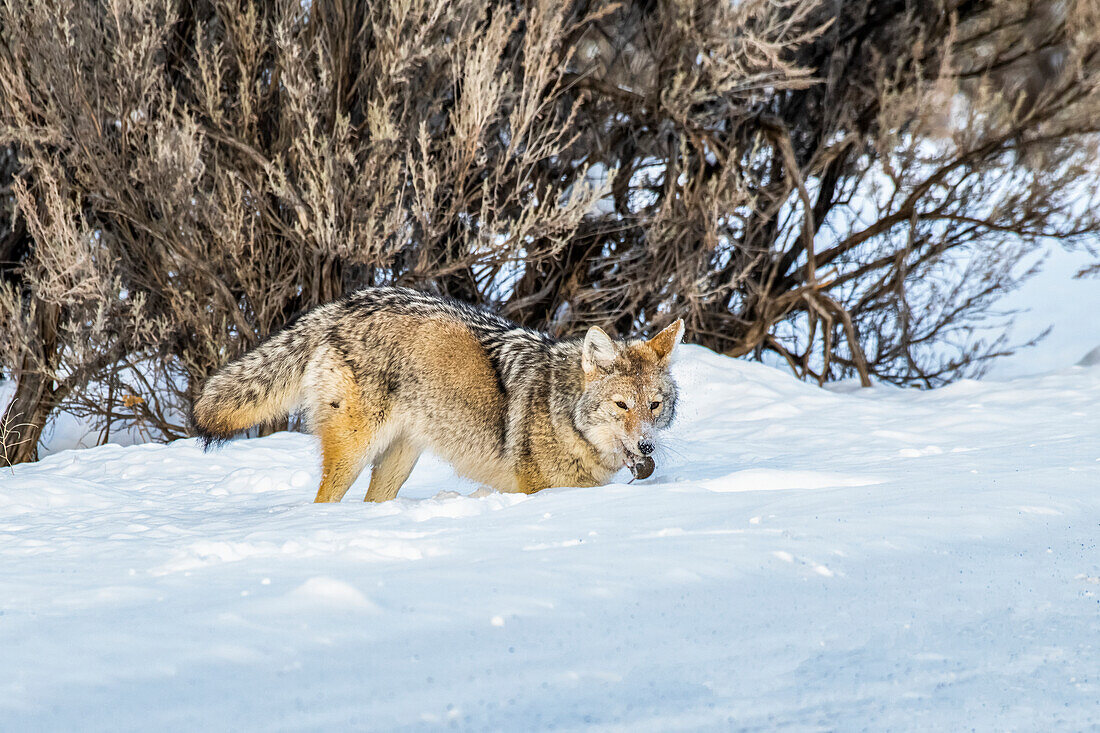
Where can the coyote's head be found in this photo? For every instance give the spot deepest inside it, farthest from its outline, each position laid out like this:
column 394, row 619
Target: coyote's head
column 628, row 395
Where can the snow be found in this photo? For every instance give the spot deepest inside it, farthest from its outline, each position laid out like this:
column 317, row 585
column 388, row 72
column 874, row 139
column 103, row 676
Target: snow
column 807, row 558
column 1053, row 298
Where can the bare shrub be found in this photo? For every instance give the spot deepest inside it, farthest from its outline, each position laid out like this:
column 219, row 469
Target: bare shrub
column 880, row 208
column 846, row 186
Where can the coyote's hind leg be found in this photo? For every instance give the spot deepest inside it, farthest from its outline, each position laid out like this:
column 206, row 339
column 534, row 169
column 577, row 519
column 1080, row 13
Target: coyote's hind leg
column 348, row 435
column 391, row 469
column 343, row 456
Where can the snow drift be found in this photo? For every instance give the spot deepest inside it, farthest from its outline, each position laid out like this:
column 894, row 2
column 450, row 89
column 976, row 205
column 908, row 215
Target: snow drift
column 801, row 557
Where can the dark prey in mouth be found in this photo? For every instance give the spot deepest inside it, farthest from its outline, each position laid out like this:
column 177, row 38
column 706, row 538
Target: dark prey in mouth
column 643, row 468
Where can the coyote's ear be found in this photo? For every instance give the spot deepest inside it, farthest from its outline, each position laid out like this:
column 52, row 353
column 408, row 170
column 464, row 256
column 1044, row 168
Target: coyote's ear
column 598, row 351
column 664, row 342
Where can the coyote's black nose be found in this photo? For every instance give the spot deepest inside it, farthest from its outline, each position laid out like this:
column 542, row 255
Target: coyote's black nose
column 645, row 446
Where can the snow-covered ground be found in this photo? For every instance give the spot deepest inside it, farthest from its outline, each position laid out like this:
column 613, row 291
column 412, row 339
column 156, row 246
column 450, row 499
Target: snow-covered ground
column 1054, row 299
column 802, row 558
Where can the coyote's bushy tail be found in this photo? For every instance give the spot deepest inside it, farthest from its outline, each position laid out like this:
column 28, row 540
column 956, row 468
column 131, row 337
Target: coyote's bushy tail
column 263, row 385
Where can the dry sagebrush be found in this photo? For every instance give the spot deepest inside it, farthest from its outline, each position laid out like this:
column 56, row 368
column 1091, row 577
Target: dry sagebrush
column 846, row 186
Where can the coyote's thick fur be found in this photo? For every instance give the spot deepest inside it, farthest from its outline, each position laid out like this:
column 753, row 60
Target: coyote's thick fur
column 386, row 373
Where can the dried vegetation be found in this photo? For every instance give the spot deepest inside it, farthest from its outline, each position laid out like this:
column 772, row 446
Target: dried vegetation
column 847, row 186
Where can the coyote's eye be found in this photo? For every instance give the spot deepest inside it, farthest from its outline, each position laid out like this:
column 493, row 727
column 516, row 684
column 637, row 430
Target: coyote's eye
column 621, row 405
column 655, row 405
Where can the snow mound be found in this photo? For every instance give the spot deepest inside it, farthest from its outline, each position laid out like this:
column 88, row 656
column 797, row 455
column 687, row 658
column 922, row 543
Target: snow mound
column 1090, row 359
column 807, row 558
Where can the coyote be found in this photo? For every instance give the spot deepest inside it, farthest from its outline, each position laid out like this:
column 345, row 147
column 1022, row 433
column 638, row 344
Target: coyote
column 386, row 373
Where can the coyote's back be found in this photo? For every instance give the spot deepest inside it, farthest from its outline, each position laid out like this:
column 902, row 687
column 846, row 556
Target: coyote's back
column 387, row 373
